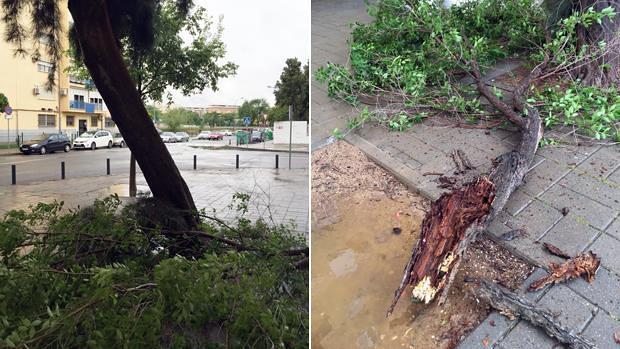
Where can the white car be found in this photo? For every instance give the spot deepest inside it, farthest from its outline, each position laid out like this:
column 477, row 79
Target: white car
column 227, row 133
column 93, row 140
column 168, row 137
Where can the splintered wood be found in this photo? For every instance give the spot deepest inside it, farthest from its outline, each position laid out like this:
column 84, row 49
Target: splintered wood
column 442, row 231
column 583, row 265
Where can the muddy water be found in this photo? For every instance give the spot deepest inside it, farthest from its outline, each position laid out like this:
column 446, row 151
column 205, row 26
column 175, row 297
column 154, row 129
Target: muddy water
column 356, row 266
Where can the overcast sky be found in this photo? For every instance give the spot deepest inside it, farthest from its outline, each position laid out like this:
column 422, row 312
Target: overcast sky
column 259, row 37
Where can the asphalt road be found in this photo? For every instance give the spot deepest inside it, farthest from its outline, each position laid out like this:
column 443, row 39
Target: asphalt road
column 88, row 163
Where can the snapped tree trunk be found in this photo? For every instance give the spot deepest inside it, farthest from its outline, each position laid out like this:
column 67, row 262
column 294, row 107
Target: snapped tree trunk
column 457, row 218
column 102, row 57
column 133, row 190
column 604, row 70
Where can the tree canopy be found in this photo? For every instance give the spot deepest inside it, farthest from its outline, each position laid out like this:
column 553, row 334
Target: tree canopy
column 4, row 102
column 255, row 109
column 293, row 89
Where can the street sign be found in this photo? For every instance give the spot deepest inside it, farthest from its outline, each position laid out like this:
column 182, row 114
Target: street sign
column 7, row 112
column 247, row 120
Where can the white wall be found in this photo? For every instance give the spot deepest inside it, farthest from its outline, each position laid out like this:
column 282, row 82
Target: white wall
column 281, row 132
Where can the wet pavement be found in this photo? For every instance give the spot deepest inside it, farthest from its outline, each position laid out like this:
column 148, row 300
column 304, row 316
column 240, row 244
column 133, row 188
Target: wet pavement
column 278, row 196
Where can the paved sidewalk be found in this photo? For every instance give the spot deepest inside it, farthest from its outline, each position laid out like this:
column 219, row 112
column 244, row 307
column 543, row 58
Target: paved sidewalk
column 281, row 195
column 330, row 32
column 585, row 180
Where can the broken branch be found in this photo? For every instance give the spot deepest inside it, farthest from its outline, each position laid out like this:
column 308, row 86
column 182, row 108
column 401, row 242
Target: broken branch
column 583, row 265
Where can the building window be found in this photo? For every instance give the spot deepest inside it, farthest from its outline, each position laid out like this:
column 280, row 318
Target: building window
column 44, row 67
column 98, row 102
column 47, row 120
column 70, row 121
column 109, row 123
column 93, row 121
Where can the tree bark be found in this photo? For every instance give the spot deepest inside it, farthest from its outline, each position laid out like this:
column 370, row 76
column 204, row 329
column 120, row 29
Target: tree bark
column 102, row 57
column 133, row 190
column 514, row 305
column 604, row 70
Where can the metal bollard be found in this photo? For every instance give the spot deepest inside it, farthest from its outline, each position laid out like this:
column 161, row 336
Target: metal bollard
column 229, row 142
column 107, row 165
column 237, row 157
column 13, row 175
column 277, row 160
column 194, row 162
column 62, row 170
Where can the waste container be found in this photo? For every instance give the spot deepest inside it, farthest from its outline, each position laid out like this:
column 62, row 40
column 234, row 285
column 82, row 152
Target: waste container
column 268, row 135
column 243, row 137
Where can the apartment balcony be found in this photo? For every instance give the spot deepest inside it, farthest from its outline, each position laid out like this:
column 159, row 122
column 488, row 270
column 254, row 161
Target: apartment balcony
column 87, row 107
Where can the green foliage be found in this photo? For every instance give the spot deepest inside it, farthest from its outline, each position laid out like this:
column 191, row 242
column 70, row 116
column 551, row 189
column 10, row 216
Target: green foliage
column 417, row 50
column 177, row 117
column 4, row 102
column 593, row 110
column 113, row 277
column 256, row 109
column 293, row 89
column 277, row 113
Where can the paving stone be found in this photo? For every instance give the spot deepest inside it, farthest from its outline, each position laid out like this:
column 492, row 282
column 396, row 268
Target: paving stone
column 573, row 311
column 526, row 336
column 607, row 248
column 567, row 157
column 498, row 226
column 603, row 291
column 615, row 177
column 603, row 162
column 532, row 251
column 489, row 331
column 415, row 148
column 537, row 218
column 570, row 235
column 519, row 199
column 596, row 188
column 595, row 214
column 601, row 331
column 408, row 160
column 543, row 176
column 614, row 228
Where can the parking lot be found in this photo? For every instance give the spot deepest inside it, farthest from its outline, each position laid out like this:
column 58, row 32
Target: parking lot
column 89, row 163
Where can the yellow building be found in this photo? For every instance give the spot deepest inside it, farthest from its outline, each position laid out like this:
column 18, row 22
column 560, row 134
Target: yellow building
column 35, row 108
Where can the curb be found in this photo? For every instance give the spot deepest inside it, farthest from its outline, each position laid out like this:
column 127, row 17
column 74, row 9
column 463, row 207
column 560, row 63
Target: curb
column 228, row 147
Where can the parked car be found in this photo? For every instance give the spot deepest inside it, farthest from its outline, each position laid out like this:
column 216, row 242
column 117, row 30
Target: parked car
column 214, row 136
column 257, row 137
column 227, row 133
column 93, row 140
column 46, row 143
column 211, row 136
column 168, row 137
column 182, row 137
column 118, row 140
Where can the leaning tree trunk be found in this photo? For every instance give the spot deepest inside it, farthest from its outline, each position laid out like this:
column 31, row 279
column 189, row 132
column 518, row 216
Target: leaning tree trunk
column 102, row 57
column 604, row 70
column 457, row 218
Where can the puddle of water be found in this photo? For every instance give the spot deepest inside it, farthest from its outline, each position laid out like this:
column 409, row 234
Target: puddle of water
column 356, row 266
column 123, row 190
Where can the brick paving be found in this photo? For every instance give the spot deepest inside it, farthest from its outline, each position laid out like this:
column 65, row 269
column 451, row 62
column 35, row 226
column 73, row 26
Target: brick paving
column 278, row 196
column 585, row 180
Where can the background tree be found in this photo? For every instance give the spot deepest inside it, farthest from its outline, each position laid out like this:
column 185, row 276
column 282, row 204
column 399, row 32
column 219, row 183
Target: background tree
column 177, row 117
column 189, row 65
column 293, row 89
column 277, row 113
column 4, row 102
column 255, row 109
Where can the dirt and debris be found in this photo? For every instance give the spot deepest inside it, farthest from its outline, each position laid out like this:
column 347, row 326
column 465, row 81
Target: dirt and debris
column 565, row 211
column 583, row 265
column 556, row 251
column 462, row 162
column 357, row 259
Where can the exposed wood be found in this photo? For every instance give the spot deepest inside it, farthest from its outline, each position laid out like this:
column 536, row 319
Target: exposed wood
column 583, row 265
column 514, row 305
column 102, row 57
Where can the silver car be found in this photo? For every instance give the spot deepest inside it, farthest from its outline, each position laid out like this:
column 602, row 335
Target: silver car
column 182, row 137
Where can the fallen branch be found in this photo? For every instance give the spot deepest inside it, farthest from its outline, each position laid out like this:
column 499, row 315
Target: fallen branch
column 554, row 250
column 583, row 265
column 514, row 305
column 461, row 161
